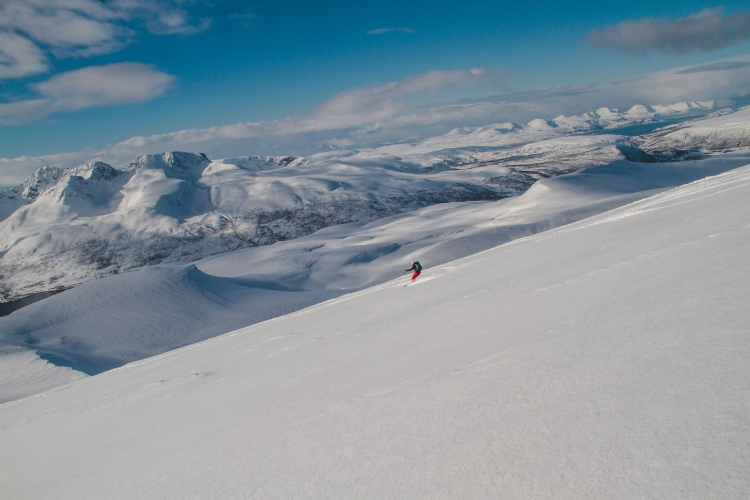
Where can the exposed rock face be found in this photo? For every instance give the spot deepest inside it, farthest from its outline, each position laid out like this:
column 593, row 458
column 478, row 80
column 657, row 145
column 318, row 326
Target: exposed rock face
column 14, row 198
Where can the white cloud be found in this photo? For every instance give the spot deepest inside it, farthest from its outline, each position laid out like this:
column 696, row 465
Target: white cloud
column 717, row 66
column 23, row 111
column 120, row 83
column 101, row 85
column 380, row 31
column 705, row 31
column 163, row 19
column 339, row 143
column 436, row 80
column 20, row 57
column 65, row 31
column 80, row 28
column 366, row 105
column 360, row 107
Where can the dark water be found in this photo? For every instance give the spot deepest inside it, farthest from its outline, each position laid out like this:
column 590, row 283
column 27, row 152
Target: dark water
column 8, row 307
column 644, row 128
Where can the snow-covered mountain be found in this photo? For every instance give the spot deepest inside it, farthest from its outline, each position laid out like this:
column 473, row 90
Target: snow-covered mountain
column 127, row 317
column 179, row 207
column 603, row 359
column 66, row 227
column 14, row 198
column 720, row 131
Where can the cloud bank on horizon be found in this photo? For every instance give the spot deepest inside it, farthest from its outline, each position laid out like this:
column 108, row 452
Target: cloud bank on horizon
column 375, row 115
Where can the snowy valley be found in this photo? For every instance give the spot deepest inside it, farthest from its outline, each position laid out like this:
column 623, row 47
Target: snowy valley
column 339, row 222
column 64, row 227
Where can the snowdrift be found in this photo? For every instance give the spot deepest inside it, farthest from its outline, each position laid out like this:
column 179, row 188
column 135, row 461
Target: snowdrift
column 606, row 358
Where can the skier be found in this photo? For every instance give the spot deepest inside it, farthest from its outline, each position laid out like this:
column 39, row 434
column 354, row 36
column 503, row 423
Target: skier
column 416, row 267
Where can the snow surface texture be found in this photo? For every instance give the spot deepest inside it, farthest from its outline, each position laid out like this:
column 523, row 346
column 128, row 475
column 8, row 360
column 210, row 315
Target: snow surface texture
column 66, row 227
column 131, row 316
column 603, row 359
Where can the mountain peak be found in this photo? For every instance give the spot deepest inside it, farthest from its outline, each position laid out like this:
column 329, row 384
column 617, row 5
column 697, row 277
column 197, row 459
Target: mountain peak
column 96, row 171
column 177, row 164
column 40, row 181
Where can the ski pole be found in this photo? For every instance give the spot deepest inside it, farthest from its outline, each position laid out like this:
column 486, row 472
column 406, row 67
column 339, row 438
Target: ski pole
column 398, row 280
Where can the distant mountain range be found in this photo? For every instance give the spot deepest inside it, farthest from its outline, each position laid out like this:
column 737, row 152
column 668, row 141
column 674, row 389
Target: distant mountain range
column 64, row 227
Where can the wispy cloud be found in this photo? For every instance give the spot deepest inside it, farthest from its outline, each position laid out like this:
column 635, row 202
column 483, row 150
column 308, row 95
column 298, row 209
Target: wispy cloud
column 162, row 19
column 29, row 31
column 243, row 18
column 380, row 102
column 380, row 31
column 705, row 31
column 65, row 31
column 120, row 83
column 717, row 66
column 20, row 57
column 359, row 107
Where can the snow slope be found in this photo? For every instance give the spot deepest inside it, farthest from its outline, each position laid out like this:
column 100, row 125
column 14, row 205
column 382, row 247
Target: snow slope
column 131, row 316
column 718, row 131
column 63, row 228
column 603, row 359
column 178, row 207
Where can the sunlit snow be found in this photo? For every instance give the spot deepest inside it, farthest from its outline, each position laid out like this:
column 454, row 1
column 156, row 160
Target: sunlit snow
column 606, row 358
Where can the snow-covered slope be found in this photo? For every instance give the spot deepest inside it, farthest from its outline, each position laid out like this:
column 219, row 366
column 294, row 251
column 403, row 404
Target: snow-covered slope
column 131, row 316
column 178, row 207
column 16, row 197
column 603, row 359
column 719, row 131
column 66, row 227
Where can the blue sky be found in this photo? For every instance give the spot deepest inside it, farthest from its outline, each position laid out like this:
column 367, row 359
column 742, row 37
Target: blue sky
column 82, row 76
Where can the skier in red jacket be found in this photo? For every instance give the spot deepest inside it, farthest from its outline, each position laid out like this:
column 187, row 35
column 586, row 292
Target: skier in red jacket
column 416, row 267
